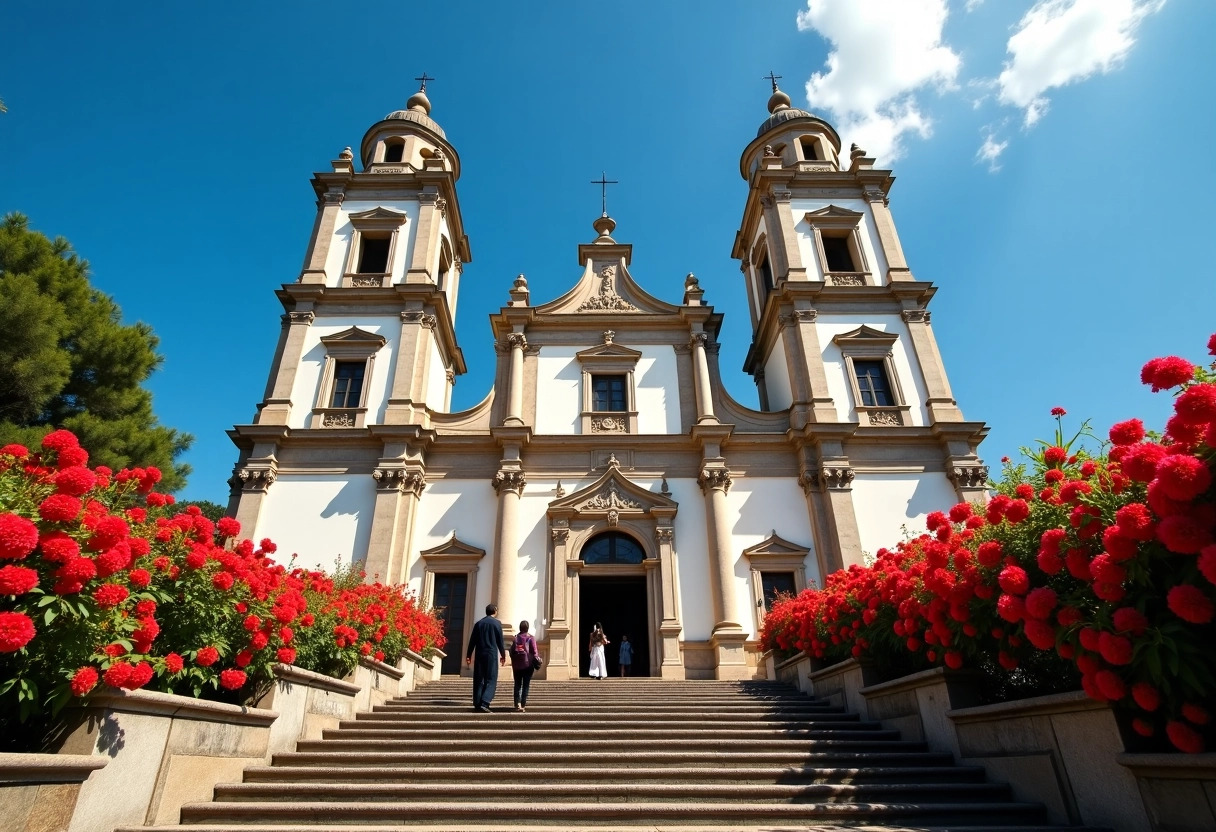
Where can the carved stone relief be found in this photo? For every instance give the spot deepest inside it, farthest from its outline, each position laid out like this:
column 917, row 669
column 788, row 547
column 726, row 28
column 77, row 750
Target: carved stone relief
column 366, row 281
column 886, row 418
column 919, row 316
column 609, row 424
column 610, row 498
column 846, row 279
column 836, row 476
column 340, row 419
column 509, row 481
column 257, row 479
column 970, row 476
column 607, row 300
column 711, row 478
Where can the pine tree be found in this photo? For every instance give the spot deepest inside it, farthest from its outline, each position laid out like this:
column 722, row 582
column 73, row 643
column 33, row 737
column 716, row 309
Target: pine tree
column 67, row 361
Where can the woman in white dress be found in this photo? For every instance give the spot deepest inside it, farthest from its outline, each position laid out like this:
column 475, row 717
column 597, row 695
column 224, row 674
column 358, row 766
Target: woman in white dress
column 595, row 646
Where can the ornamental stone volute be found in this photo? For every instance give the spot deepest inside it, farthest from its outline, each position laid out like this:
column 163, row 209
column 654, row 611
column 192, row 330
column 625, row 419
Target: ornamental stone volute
column 711, row 478
column 509, row 481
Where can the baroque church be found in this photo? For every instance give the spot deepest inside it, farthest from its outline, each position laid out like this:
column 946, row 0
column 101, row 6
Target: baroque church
column 607, row 476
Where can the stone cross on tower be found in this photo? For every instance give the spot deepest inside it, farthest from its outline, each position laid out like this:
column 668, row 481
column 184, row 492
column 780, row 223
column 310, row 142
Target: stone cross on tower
column 604, row 182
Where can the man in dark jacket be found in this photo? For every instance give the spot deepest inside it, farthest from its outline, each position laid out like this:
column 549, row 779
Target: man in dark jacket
column 484, row 641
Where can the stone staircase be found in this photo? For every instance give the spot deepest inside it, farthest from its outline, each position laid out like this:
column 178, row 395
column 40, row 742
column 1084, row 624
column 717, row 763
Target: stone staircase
column 612, row 754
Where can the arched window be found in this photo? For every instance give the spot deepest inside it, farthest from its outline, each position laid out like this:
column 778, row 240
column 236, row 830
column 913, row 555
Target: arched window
column 393, row 151
column 612, row 547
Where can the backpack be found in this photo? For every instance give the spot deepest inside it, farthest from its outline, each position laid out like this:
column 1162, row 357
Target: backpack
column 521, row 652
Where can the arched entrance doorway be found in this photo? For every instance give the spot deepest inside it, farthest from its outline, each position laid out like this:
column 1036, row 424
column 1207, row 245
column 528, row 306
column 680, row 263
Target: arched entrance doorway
column 627, row 533
column 612, row 592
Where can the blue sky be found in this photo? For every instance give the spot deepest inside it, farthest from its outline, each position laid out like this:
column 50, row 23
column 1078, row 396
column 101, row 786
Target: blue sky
column 173, row 145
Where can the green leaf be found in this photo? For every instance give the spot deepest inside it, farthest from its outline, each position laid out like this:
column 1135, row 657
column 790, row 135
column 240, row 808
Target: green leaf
column 49, row 616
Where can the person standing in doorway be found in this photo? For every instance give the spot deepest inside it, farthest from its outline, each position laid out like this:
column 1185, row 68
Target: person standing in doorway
column 595, row 646
column 625, row 655
column 484, row 641
column 525, row 659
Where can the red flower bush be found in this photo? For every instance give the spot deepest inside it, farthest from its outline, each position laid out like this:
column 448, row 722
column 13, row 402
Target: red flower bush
column 1100, row 568
column 103, row 583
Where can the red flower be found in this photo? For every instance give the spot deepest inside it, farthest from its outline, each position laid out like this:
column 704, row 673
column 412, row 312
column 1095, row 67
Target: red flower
column 989, row 553
column 1014, row 580
column 83, row 681
column 1040, row 602
column 222, row 581
column 110, row 595
column 1018, row 511
column 1184, row 738
column 72, row 457
column 1110, row 685
column 17, row 580
column 285, row 655
column 232, row 679
column 145, row 608
column 58, row 440
column 1207, row 563
column 174, row 663
column 1041, row 634
column 1140, row 461
column 1141, row 727
column 1183, row 477
column 60, row 508
column 1130, row 620
column 243, row 658
column 228, row 527
column 1146, row 696
column 259, row 641
column 252, row 622
column 141, row 674
column 206, row 656
column 1183, row 534
column 1195, row 714
column 18, row 537
column 1055, row 455
column 1136, row 521
column 75, row 480
column 960, row 512
column 1164, row 373
column 1024, row 491
column 1197, row 404
column 1190, row 604
column 1011, row 608
column 1115, row 650
column 16, row 631
column 140, row 578
column 118, row 675
column 1127, row 433
column 15, row 450
column 1059, row 411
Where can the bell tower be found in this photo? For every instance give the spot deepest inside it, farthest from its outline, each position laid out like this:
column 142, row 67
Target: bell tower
column 367, row 350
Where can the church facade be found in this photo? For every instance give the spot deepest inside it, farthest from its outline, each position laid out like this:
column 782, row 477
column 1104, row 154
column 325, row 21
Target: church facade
column 607, row 476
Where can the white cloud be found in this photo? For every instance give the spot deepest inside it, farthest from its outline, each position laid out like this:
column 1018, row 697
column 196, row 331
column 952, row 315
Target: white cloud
column 990, row 151
column 972, row 5
column 1058, row 42
column 883, row 53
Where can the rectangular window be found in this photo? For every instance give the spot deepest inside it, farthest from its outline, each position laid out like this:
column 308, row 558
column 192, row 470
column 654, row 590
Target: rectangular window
column 808, row 150
column 873, row 384
column 373, row 258
column 836, row 249
column 608, row 394
column 774, row 584
column 348, row 383
column 766, row 274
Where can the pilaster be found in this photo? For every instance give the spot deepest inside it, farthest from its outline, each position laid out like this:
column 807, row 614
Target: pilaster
column 398, row 490
column 940, row 402
column 322, row 234
column 426, row 236
column 884, row 224
column 406, row 402
column 790, row 264
column 276, row 407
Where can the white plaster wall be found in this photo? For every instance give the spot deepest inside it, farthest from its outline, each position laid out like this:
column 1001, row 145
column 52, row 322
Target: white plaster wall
column 319, row 518
column 312, row 364
column 558, row 376
column 759, row 507
column 911, row 380
column 559, row 399
column 757, row 294
column 436, row 382
column 344, row 232
column 876, row 261
column 777, row 377
column 886, row 504
column 533, row 572
column 692, row 558
column 657, row 390
column 466, row 507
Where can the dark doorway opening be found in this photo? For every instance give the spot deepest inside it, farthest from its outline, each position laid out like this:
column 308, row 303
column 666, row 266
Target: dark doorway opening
column 618, row 603
column 449, row 602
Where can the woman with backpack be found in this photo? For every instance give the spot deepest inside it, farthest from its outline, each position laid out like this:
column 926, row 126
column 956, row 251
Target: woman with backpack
column 525, row 660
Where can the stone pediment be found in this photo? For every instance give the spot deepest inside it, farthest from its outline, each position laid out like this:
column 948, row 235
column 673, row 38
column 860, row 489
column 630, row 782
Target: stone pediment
column 379, row 213
column 606, row 288
column 453, row 551
column 865, row 335
column 833, row 212
column 354, row 336
column 608, row 351
column 775, row 546
column 612, row 492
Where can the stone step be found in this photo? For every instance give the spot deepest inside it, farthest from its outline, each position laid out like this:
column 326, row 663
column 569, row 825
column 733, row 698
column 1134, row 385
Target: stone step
column 627, row 733
column 519, row 825
column 464, row 719
column 498, row 757
column 581, row 708
column 883, row 741
column 608, row 774
column 583, row 790
column 636, row 727
column 563, row 815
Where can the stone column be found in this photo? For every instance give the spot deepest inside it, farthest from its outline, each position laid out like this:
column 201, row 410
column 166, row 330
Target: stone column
column 398, row 491
column 728, row 636
column 276, row 407
column 940, row 403
column 515, row 390
column 509, row 485
column 322, row 237
column 884, row 224
column 705, row 402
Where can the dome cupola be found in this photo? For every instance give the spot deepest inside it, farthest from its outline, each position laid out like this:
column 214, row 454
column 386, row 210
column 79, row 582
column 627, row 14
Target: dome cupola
column 408, row 137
